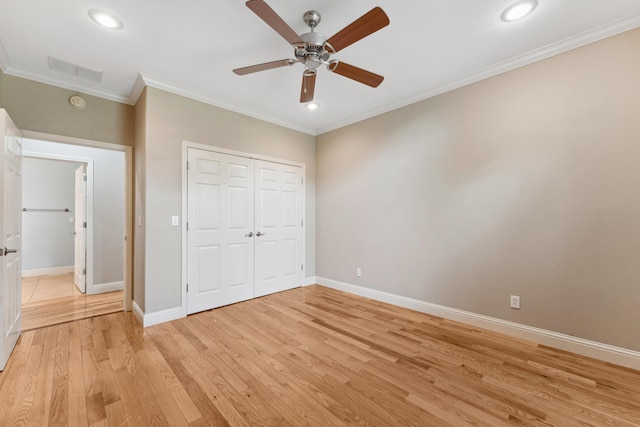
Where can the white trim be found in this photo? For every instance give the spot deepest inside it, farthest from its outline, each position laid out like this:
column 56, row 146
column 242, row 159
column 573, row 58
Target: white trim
column 51, row 271
column 212, row 148
column 28, row 134
column 185, row 147
column 172, row 88
column 63, row 83
column 536, row 55
column 150, row 319
column 137, row 90
column 143, row 80
column 128, row 197
column 137, row 311
column 106, row 287
column 308, row 281
column 605, row 352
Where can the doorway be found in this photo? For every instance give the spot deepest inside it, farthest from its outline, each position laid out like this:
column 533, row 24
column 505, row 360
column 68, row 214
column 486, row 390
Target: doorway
column 55, row 295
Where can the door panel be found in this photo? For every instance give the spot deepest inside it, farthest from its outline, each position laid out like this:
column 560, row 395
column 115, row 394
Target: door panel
column 10, row 221
column 220, row 252
column 279, row 221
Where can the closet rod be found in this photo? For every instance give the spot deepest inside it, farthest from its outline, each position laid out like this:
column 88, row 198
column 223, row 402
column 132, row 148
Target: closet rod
column 45, row 210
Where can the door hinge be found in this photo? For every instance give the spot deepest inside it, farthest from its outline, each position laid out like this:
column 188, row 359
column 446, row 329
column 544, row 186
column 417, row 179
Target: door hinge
column 301, row 267
column 84, row 271
column 187, row 287
column 302, row 223
column 187, row 224
column 187, row 165
column 84, row 177
column 84, row 224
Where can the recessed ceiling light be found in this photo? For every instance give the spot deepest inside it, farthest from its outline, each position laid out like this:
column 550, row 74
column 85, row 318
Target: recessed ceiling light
column 106, row 19
column 519, row 10
column 312, row 106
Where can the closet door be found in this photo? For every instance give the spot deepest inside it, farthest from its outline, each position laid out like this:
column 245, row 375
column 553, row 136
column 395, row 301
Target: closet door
column 220, row 242
column 278, row 263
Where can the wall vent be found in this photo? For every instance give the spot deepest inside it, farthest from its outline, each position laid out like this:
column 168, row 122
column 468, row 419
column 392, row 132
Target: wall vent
column 70, row 69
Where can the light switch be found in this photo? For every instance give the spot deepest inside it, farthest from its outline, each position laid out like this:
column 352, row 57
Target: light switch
column 175, row 220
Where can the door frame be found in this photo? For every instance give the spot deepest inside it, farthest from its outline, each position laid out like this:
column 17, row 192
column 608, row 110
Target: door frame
column 89, row 209
column 183, row 226
column 128, row 201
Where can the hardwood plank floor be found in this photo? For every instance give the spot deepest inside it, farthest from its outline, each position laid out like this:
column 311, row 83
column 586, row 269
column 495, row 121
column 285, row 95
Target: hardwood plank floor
column 50, row 300
column 309, row 356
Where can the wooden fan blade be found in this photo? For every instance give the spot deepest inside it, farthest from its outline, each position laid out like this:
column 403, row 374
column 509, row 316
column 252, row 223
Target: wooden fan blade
column 308, row 86
column 273, row 20
column 358, row 74
column 367, row 24
column 261, row 67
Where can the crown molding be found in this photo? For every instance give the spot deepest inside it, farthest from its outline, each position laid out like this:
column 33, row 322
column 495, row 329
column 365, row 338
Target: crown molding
column 168, row 87
column 540, row 54
column 64, row 84
column 143, row 80
column 137, row 90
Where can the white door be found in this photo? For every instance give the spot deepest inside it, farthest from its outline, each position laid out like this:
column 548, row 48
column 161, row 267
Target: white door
column 279, row 264
column 220, row 219
column 11, row 286
column 80, row 228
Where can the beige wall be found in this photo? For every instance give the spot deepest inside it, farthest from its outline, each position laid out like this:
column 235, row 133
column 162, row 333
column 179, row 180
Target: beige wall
column 172, row 119
column 526, row 183
column 43, row 108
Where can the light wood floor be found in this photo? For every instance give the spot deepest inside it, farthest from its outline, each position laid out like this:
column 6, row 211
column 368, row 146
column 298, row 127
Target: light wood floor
column 310, row 356
column 50, row 300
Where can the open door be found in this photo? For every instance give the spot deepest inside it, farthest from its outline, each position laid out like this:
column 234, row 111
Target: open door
column 11, row 232
column 80, row 235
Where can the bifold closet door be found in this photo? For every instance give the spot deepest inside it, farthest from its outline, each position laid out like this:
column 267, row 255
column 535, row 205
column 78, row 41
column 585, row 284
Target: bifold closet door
column 220, row 242
column 278, row 262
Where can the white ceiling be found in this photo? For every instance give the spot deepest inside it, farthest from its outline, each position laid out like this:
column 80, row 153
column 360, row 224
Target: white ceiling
column 190, row 48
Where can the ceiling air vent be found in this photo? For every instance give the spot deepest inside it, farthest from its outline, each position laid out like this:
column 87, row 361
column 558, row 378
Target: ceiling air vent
column 70, row 69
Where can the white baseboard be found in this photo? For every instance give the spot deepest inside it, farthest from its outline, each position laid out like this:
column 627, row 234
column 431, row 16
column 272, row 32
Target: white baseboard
column 137, row 311
column 106, row 287
column 51, row 271
column 605, row 352
column 150, row 319
column 308, row 281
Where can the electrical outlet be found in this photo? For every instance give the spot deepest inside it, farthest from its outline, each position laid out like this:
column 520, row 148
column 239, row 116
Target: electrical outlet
column 358, row 272
column 515, row 302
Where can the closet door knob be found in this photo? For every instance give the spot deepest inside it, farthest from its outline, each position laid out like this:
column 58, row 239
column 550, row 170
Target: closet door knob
column 259, row 233
column 249, row 235
column 9, row 251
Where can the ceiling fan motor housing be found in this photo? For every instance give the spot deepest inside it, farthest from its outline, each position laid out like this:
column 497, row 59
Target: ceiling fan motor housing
column 312, row 54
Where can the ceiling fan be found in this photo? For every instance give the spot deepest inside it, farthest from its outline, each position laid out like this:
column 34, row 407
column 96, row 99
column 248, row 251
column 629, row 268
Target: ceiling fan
column 314, row 49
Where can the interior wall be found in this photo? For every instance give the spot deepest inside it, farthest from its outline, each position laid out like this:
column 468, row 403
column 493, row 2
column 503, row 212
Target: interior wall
column 172, row 119
column 523, row 184
column 108, row 204
column 1, row 82
column 139, row 201
column 47, row 237
column 44, row 108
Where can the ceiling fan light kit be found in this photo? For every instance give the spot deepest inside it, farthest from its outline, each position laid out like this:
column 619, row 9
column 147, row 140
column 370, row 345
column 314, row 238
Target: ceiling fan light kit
column 313, row 49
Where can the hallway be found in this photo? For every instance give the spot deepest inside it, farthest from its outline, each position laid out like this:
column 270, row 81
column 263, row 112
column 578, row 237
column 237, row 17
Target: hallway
column 51, row 300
